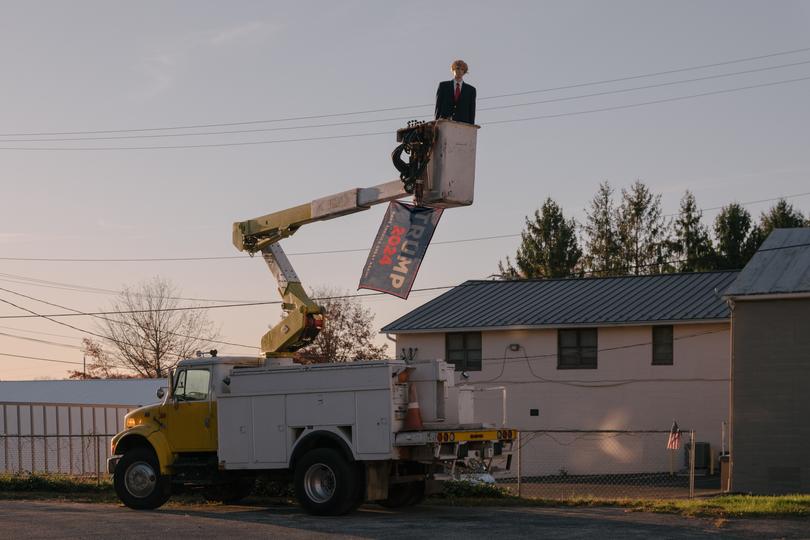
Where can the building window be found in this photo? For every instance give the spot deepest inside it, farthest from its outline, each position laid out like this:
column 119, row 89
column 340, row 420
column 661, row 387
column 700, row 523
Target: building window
column 464, row 350
column 662, row 345
column 576, row 348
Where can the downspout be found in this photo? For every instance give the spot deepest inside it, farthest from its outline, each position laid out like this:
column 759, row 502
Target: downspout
column 730, row 303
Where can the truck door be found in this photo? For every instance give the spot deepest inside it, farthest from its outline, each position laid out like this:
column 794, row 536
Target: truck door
column 190, row 414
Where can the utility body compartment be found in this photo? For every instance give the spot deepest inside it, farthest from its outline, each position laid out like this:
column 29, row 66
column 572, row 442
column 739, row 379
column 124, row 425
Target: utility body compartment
column 270, row 409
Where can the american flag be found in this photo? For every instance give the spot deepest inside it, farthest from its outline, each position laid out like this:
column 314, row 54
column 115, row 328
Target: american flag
column 674, row 440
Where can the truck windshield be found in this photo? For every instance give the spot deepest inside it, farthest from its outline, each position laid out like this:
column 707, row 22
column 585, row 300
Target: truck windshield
column 192, row 385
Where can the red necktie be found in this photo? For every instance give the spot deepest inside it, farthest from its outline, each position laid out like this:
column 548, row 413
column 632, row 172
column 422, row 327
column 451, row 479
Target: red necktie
column 458, row 92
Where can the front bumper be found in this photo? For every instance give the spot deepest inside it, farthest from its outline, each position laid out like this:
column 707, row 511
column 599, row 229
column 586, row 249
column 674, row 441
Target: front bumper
column 112, row 462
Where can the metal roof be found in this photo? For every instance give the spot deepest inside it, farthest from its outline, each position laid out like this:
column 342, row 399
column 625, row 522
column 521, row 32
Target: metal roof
column 573, row 302
column 780, row 266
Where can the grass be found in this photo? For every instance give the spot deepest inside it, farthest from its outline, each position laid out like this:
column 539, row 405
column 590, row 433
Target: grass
column 53, row 483
column 724, row 506
column 61, row 487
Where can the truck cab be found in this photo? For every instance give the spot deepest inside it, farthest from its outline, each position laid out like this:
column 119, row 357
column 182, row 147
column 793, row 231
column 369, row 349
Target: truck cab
column 179, row 430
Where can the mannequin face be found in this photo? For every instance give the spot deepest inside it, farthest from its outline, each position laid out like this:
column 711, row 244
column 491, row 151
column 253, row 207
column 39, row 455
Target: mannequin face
column 458, row 73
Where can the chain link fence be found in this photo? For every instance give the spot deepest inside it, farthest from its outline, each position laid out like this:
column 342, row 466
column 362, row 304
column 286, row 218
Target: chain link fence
column 75, row 455
column 609, row 464
column 63, row 438
column 548, row 464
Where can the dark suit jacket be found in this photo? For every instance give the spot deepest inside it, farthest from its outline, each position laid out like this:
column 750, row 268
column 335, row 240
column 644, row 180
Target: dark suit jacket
column 461, row 111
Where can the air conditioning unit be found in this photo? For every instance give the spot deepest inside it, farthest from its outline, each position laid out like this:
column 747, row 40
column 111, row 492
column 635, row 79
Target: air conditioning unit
column 703, row 455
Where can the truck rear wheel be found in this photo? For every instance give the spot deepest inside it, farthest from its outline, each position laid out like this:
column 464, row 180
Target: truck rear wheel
column 138, row 482
column 326, row 484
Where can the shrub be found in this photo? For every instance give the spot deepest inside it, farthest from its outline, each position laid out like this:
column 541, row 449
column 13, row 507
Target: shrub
column 463, row 488
column 273, row 487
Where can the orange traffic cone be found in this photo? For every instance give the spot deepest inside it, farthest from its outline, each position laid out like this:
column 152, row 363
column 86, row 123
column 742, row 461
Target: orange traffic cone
column 413, row 418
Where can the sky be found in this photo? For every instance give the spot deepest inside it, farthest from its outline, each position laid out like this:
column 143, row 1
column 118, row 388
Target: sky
column 126, row 68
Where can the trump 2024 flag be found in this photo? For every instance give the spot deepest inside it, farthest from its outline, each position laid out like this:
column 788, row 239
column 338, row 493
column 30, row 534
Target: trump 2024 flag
column 399, row 248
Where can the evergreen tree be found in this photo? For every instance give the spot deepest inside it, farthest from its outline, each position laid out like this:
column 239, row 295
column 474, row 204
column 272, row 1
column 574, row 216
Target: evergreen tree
column 782, row 215
column 735, row 243
column 602, row 250
column 643, row 232
column 548, row 246
column 692, row 243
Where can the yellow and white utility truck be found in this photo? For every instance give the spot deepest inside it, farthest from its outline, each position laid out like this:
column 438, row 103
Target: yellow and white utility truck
column 386, row 431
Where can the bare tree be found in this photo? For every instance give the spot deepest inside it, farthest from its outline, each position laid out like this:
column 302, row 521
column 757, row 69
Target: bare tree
column 150, row 331
column 99, row 364
column 348, row 332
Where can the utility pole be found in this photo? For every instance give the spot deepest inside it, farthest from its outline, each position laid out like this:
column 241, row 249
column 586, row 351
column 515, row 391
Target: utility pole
column 84, row 366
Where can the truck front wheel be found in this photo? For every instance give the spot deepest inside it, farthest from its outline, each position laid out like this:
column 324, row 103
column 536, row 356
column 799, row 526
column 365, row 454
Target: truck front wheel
column 326, row 484
column 138, row 482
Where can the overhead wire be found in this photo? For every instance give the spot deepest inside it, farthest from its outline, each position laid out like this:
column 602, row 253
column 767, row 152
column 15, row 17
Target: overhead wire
column 78, row 313
column 53, row 317
column 100, row 314
column 345, row 136
column 226, row 257
column 27, row 331
column 404, row 107
column 399, row 118
column 645, row 103
column 43, row 341
column 596, row 383
column 40, row 359
column 318, row 252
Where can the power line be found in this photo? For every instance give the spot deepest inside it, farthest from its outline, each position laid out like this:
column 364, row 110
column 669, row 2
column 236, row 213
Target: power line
column 96, row 315
column 584, row 383
column 404, row 107
column 23, row 280
column 100, row 314
column 34, row 313
column 346, row 136
column 44, row 341
column 226, row 257
column 320, row 252
column 644, row 103
column 37, row 332
column 794, row 196
column 40, row 359
column 399, row 118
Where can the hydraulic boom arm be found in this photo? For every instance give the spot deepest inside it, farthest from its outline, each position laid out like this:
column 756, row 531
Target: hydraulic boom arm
column 303, row 318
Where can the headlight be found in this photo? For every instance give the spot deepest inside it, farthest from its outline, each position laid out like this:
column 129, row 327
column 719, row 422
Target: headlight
column 131, row 422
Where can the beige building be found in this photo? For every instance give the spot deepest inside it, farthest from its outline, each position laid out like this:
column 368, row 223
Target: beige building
column 625, row 353
column 771, row 367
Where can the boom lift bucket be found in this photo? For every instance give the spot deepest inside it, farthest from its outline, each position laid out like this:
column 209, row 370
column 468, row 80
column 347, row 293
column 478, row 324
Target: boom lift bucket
column 442, row 165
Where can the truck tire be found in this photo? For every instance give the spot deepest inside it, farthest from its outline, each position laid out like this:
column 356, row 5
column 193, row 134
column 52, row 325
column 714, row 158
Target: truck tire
column 326, row 484
column 138, row 482
column 407, row 494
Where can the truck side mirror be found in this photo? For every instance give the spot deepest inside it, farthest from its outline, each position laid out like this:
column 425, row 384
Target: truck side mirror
column 161, row 392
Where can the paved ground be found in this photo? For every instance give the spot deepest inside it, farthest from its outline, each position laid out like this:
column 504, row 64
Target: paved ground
column 38, row 519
